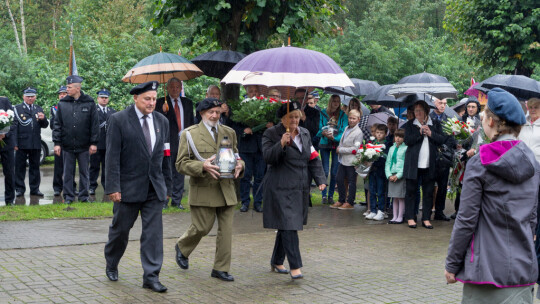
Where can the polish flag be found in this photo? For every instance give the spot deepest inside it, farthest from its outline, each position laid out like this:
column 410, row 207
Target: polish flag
column 167, row 149
column 314, row 153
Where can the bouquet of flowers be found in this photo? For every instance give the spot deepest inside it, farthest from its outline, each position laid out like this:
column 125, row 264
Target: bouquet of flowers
column 6, row 119
column 462, row 131
column 255, row 112
column 366, row 154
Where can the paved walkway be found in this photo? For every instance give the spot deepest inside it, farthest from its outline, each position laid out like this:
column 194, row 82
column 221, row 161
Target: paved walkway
column 346, row 260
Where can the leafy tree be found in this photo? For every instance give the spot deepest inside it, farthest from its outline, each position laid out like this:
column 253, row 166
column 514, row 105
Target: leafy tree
column 500, row 33
column 248, row 25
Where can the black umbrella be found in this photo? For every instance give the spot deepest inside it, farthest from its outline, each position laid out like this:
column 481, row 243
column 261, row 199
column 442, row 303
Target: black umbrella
column 432, row 84
column 361, row 88
column 347, row 99
column 521, row 86
column 218, row 63
column 381, row 97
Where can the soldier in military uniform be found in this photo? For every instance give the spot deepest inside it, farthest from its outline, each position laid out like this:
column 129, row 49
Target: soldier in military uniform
column 7, row 157
column 98, row 159
column 75, row 136
column 27, row 125
column 209, row 196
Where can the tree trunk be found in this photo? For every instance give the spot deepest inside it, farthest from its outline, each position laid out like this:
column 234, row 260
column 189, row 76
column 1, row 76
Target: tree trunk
column 23, row 29
column 55, row 10
column 14, row 27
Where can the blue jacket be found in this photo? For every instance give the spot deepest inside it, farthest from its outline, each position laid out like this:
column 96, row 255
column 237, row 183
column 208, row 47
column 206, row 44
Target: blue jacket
column 343, row 122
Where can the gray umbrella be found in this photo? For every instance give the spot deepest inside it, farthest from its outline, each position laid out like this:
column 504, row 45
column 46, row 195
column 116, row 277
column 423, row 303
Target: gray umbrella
column 435, row 85
column 361, row 88
column 521, row 86
column 218, row 63
column 346, row 99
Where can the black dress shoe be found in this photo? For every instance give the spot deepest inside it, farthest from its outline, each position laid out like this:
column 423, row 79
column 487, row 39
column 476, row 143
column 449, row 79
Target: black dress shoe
column 257, row 209
column 181, row 260
column 441, row 217
column 9, row 203
column 179, row 206
column 87, row 200
column 427, row 226
column 38, row 193
column 19, row 194
column 76, row 193
column 244, row 208
column 56, row 193
column 68, row 202
column 222, row 275
column 112, row 274
column 453, row 216
column 155, row 286
column 165, row 206
column 92, row 192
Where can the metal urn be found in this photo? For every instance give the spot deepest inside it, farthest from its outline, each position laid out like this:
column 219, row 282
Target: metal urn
column 225, row 159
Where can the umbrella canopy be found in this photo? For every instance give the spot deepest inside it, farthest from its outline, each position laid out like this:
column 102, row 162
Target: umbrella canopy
column 521, row 86
column 380, row 97
column 218, row 63
column 380, row 118
column 346, row 99
column 161, row 67
column 288, row 66
column 435, row 85
column 361, row 88
column 460, row 104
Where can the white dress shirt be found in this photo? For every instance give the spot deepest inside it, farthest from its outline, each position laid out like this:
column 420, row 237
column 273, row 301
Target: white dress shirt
column 150, row 121
column 209, row 127
column 104, row 109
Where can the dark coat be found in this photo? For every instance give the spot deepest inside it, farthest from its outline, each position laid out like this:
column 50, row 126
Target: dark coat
column 129, row 166
column 287, row 182
column 188, row 118
column 248, row 143
column 27, row 128
column 76, row 125
column 103, row 124
column 413, row 139
column 5, row 105
column 52, row 116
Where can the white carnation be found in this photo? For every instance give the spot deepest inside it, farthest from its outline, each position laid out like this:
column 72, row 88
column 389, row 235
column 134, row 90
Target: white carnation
column 357, row 144
column 372, row 138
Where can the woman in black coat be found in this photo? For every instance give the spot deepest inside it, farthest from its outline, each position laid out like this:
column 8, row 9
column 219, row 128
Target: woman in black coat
column 290, row 160
column 422, row 137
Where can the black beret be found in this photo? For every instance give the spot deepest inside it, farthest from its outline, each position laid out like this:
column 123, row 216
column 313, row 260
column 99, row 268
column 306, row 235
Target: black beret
column 74, row 79
column 208, row 103
column 144, row 87
column 282, row 111
column 506, row 106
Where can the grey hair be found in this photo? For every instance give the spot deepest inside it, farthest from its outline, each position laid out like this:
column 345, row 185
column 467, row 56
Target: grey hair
column 172, row 80
column 210, row 87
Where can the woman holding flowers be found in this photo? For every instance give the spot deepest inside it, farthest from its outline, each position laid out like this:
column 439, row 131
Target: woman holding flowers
column 491, row 249
column 348, row 147
column 422, row 137
column 332, row 123
column 291, row 158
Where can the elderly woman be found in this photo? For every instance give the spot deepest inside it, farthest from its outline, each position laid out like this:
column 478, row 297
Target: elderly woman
column 491, row 249
column 290, row 157
column 422, row 137
column 530, row 132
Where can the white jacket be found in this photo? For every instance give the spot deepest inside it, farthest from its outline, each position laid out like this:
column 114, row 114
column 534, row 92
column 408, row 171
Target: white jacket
column 530, row 135
column 347, row 145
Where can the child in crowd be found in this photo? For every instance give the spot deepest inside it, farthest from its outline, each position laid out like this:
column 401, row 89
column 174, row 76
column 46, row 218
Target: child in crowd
column 346, row 150
column 377, row 178
column 392, row 124
column 372, row 130
column 394, row 173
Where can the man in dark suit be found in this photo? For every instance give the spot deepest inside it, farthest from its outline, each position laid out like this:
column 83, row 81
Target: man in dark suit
column 97, row 160
column 7, row 157
column 179, row 112
column 27, row 125
column 138, row 180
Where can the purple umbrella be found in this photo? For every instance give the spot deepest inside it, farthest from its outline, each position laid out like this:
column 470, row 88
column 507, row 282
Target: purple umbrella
column 288, row 66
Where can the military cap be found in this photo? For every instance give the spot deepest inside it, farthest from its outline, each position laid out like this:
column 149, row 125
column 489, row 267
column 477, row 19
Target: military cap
column 506, row 106
column 103, row 93
column 144, row 87
column 74, row 79
column 208, row 103
column 282, row 111
column 62, row 89
column 29, row 92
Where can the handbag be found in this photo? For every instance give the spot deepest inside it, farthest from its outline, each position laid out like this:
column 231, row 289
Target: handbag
column 445, row 156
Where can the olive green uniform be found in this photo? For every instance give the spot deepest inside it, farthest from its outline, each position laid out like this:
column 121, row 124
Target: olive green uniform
column 208, row 198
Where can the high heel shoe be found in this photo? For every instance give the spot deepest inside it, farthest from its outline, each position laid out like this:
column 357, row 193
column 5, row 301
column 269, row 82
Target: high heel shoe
column 427, row 226
column 412, row 225
column 274, row 268
column 296, row 277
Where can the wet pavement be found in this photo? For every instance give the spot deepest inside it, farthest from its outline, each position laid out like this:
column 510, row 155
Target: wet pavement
column 346, row 258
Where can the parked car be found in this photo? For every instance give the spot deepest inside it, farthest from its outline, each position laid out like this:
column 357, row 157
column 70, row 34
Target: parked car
column 47, row 144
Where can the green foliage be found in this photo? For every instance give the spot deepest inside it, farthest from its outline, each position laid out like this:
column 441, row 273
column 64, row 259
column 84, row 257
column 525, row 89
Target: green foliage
column 501, row 33
column 254, row 112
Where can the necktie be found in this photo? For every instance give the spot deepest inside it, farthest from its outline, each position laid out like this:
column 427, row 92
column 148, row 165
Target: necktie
column 177, row 113
column 214, row 131
column 146, row 132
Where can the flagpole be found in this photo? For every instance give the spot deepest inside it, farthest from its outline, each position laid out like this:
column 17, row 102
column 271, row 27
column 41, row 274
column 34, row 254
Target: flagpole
column 71, row 51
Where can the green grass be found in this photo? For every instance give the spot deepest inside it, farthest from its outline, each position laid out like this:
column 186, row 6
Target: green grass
column 57, row 211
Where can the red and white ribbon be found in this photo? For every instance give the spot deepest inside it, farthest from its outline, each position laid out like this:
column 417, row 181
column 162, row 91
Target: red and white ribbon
column 167, row 149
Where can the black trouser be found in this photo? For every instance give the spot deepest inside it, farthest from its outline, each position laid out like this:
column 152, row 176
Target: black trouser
column 441, row 177
column 97, row 160
column 124, row 216
column 287, row 244
column 457, row 201
column 70, row 159
column 8, row 161
column 349, row 173
column 58, row 183
column 177, row 183
column 34, row 179
column 427, row 195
